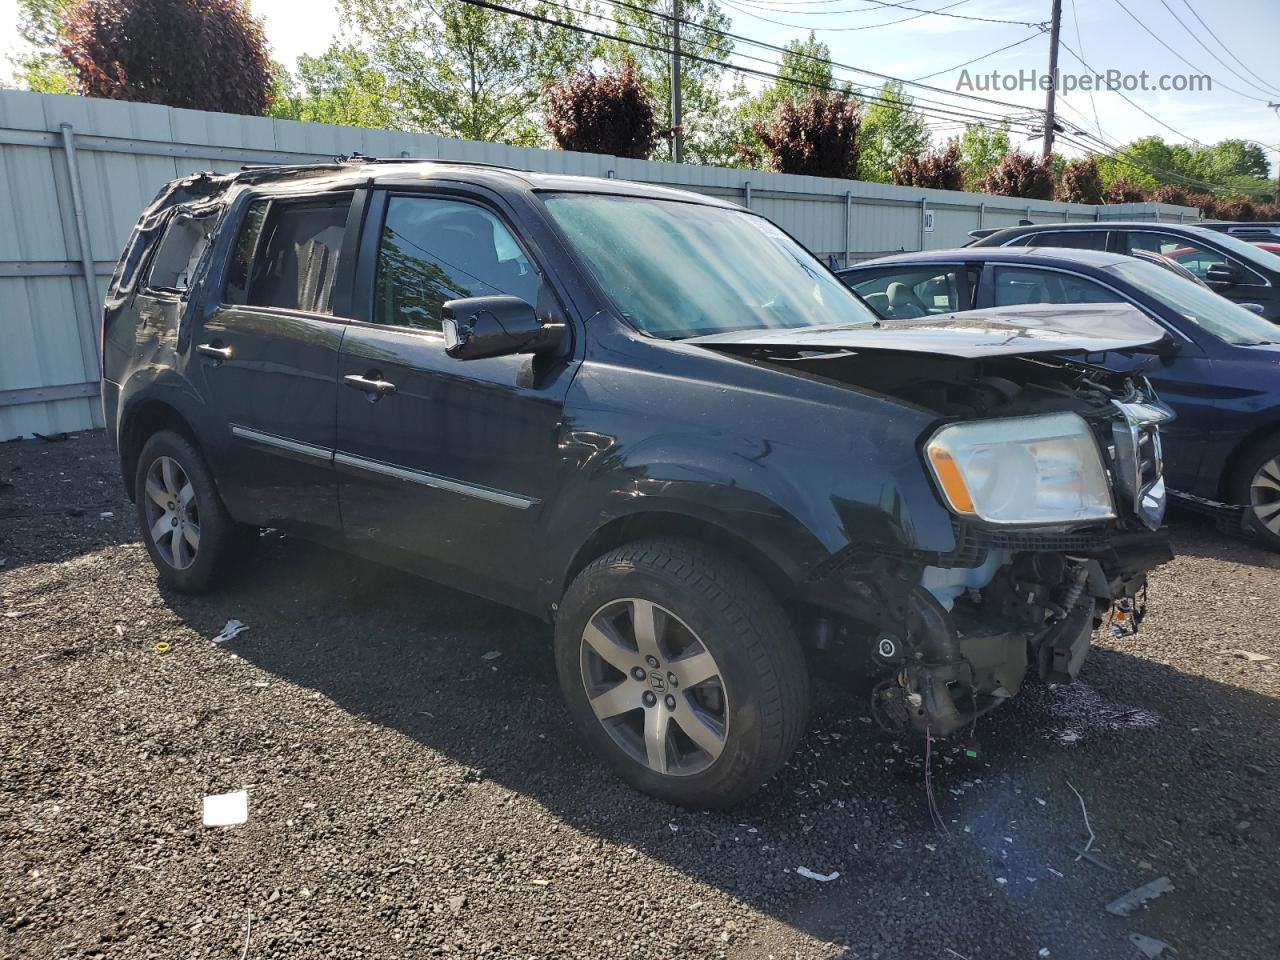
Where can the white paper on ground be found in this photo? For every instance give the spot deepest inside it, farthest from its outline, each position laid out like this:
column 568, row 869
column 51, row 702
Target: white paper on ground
column 822, row 877
column 232, row 629
column 226, row 809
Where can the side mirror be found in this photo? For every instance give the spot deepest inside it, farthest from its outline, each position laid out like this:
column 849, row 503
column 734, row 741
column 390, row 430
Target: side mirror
column 495, row 326
column 1223, row 273
column 1257, row 308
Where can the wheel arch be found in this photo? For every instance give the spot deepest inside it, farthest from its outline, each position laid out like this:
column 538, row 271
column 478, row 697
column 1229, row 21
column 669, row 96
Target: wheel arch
column 140, row 422
column 1234, row 461
column 668, row 523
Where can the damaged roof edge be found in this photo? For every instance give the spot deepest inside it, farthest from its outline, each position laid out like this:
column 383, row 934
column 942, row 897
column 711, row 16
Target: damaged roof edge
column 1000, row 331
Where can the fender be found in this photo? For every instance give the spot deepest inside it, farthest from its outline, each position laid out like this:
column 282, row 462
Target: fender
column 797, row 482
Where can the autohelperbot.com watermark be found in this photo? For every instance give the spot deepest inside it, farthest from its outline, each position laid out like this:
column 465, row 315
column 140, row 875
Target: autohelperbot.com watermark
column 996, row 81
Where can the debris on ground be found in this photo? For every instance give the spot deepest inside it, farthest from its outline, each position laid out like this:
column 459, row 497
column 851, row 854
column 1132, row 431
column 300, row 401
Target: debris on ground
column 226, row 809
column 233, row 629
column 820, row 877
column 1249, row 655
column 1131, row 901
column 1079, row 711
column 1084, row 811
column 491, row 655
column 1150, row 947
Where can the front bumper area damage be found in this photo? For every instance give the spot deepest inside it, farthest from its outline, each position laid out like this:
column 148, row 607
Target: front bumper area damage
column 950, row 643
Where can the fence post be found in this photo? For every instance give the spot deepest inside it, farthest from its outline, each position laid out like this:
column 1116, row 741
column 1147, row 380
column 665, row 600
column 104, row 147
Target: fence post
column 88, row 329
column 924, row 212
column 982, row 215
column 848, row 217
column 746, row 190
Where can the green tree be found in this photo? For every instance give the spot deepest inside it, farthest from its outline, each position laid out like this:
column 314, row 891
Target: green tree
column 981, row 149
column 340, row 86
column 805, row 67
column 706, row 92
column 464, row 71
column 891, row 129
column 39, row 65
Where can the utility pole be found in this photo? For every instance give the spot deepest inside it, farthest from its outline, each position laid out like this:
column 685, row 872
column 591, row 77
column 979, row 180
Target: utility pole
column 1276, row 108
column 677, row 135
column 1053, row 78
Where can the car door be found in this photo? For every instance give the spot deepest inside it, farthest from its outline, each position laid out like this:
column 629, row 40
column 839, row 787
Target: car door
column 265, row 359
column 1200, row 258
column 1182, row 376
column 445, row 464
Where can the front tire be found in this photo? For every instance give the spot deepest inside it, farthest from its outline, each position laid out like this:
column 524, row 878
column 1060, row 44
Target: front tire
column 682, row 671
column 186, row 529
column 1257, row 485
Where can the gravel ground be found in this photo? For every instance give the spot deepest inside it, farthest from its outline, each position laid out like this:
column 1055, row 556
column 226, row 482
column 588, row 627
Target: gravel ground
column 411, row 794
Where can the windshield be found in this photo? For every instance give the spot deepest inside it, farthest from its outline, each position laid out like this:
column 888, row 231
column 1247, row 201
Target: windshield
column 1215, row 314
column 678, row 270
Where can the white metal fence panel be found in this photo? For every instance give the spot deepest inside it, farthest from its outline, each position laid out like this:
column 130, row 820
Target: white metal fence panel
column 73, row 167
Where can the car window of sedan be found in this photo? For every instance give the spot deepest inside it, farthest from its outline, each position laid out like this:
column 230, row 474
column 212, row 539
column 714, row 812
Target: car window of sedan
column 434, row 250
column 1191, row 255
column 1016, row 286
column 1074, row 239
column 908, row 292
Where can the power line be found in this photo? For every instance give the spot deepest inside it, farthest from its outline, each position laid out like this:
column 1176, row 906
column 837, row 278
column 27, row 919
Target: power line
column 1210, row 51
column 828, row 62
column 958, row 16
column 940, row 12
column 1134, row 17
column 923, row 104
column 759, row 5
column 485, row 4
column 1080, row 40
column 1008, row 46
column 1224, row 46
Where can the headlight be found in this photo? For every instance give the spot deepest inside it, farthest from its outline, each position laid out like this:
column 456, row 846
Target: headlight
column 1021, row 470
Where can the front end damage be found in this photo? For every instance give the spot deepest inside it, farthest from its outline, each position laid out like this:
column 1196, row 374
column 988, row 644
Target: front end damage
column 949, row 636
column 955, row 634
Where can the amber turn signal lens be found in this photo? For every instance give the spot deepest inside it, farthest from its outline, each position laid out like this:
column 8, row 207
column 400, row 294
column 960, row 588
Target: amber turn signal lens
column 948, row 474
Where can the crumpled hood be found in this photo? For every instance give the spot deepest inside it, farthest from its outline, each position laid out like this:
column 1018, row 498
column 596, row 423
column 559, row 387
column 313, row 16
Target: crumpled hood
column 1001, row 331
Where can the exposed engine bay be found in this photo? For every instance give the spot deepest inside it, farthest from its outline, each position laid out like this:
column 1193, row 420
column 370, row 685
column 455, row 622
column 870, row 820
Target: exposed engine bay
column 950, row 636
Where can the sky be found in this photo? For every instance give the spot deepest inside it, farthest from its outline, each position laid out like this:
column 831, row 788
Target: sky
column 1100, row 30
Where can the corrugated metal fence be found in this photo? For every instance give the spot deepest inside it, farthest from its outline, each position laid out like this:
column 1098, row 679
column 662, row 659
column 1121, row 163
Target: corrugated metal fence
column 75, row 172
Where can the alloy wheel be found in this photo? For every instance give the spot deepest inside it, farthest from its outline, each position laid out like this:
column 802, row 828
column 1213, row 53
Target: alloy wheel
column 173, row 513
column 654, row 687
column 1264, row 495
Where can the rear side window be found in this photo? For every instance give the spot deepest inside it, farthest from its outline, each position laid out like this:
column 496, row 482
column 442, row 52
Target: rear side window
column 908, row 292
column 287, row 254
column 1015, row 286
column 179, row 252
column 1074, row 239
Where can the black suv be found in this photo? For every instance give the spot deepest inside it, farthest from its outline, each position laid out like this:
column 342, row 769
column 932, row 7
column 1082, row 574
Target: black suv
column 1232, row 267
column 650, row 418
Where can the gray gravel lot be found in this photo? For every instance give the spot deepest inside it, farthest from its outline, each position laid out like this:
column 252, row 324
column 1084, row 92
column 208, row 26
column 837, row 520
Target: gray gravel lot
column 408, row 797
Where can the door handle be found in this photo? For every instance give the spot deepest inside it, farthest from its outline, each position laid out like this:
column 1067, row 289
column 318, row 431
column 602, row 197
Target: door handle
column 371, row 384
column 214, row 351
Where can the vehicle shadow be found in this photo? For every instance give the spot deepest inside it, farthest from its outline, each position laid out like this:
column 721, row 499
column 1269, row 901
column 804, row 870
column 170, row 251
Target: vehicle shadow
column 1196, row 535
column 1170, row 762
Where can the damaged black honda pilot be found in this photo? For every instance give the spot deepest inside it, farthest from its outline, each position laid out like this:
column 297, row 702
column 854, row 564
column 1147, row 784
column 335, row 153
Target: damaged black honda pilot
column 647, row 416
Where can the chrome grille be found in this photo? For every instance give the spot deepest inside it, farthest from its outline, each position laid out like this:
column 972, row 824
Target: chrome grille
column 1138, row 460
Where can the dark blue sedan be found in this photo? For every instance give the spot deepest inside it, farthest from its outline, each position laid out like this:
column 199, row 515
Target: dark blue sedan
column 1219, row 367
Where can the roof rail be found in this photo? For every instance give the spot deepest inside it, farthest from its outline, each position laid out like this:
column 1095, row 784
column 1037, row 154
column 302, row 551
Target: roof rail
column 358, row 157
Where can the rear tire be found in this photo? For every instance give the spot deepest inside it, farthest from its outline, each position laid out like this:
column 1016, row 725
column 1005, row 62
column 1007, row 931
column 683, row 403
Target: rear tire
column 727, row 700
column 185, row 526
column 1257, row 485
